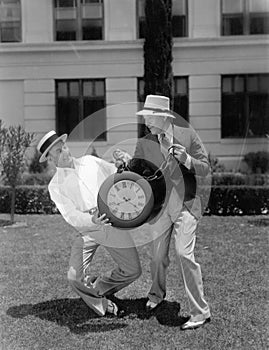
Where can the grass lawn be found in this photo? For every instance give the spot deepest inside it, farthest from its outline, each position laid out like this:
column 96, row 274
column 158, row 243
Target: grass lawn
column 40, row 311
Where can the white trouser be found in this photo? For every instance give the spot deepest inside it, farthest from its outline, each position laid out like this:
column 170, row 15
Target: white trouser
column 94, row 289
column 178, row 219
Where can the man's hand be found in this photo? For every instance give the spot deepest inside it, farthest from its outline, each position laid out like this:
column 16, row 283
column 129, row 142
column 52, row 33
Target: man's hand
column 121, row 157
column 100, row 220
column 180, row 153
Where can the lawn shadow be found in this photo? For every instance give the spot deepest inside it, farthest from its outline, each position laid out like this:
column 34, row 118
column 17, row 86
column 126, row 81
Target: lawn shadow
column 71, row 313
column 167, row 313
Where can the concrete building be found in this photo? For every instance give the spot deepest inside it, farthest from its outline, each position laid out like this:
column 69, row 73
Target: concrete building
column 62, row 60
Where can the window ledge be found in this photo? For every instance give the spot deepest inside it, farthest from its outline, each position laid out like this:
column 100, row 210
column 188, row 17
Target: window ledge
column 239, row 40
column 255, row 140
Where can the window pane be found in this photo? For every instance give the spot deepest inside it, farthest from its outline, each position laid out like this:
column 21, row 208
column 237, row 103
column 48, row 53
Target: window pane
column 92, row 11
column 181, row 99
column 239, row 84
column 258, row 5
column 232, row 25
column 179, row 7
column 232, row 6
column 141, row 8
column 141, row 87
column 264, row 83
column 88, row 88
column 252, row 83
column 10, row 21
column 178, row 26
column 66, row 30
column 10, row 32
column 92, row 1
column 180, row 86
column 99, row 88
column 227, row 85
column 62, row 90
column 232, row 116
column 11, row 2
column 258, row 122
column 65, row 3
column 74, row 89
column 259, row 24
column 67, row 115
column 92, row 29
column 95, row 125
column 181, row 107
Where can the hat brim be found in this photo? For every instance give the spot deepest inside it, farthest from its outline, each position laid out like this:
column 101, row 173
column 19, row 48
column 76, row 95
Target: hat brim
column 156, row 113
column 43, row 157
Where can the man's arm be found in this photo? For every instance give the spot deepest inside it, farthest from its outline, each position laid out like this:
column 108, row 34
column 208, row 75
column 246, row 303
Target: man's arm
column 199, row 159
column 79, row 220
column 195, row 159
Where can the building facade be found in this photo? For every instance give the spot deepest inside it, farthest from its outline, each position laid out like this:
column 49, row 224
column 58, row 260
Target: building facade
column 63, row 60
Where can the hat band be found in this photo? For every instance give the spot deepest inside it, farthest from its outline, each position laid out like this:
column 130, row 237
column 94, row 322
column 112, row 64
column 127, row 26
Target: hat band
column 156, row 109
column 48, row 142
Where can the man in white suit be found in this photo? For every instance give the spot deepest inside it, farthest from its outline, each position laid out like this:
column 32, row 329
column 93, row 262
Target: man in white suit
column 74, row 189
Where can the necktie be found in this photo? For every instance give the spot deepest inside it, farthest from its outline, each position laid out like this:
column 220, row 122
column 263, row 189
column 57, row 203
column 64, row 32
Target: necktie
column 165, row 144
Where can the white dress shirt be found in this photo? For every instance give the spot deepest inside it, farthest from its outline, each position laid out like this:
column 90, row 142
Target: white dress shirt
column 74, row 191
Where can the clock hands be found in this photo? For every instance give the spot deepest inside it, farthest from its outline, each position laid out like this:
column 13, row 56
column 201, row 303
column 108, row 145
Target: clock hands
column 128, row 200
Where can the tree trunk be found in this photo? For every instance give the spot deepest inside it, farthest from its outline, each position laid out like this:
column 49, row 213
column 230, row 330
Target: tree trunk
column 158, row 48
column 12, row 206
column 158, row 43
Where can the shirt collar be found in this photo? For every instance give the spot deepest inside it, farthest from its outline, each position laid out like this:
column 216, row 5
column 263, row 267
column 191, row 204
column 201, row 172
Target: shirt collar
column 168, row 133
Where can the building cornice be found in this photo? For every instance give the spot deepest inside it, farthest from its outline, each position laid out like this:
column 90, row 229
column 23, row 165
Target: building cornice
column 61, row 46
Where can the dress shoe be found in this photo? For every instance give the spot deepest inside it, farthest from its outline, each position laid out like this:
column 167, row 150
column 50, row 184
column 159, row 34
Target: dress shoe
column 192, row 324
column 113, row 309
column 151, row 305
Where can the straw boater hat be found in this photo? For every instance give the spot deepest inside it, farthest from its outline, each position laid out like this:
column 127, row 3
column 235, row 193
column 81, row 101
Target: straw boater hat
column 157, row 105
column 47, row 142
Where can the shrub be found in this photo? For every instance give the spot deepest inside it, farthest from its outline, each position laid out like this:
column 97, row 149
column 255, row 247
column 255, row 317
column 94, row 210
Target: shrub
column 35, row 166
column 224, row 200
column 14, row 141
column 257, row 161
column 29, row 200
column 238, row 200
column 226, row 179
column 215, row 165
column 36, row 179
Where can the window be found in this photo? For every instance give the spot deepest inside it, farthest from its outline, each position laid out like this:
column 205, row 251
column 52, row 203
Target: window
column 181, row 101
column 244, row 17
column 179, row 18
column 245, row 105
column 78, row 20
column 76, row 100
column 10, row 21
column 181, row 97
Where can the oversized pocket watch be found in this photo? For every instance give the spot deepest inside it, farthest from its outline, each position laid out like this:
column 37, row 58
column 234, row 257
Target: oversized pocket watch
column 126, row 198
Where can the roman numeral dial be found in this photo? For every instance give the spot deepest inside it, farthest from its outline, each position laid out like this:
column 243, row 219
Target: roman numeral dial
column 126, row 199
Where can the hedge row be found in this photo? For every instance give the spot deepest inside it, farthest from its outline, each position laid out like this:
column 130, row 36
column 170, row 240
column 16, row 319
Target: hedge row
column 238, row 179
column 224, row 200
column 218, row 179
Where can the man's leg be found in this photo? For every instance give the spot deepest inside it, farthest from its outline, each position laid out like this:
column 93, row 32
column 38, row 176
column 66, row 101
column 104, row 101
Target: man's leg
column 158, row 267
column 185, row 235
column 82, row 253
column 93, row 291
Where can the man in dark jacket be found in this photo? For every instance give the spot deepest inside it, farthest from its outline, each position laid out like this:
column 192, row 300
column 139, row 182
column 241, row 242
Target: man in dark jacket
column 182, row 208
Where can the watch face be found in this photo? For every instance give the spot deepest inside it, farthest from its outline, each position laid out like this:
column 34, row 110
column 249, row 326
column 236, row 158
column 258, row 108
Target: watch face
column 126, row 199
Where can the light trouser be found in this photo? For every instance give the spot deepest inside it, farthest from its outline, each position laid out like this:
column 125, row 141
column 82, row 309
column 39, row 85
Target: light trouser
column 179, row 220
column 94, row 289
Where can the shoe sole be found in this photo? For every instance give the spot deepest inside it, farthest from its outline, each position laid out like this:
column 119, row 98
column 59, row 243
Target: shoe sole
column 195, row 327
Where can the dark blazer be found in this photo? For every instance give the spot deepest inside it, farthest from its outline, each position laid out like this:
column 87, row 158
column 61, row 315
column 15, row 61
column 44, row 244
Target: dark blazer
column 148, row 157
